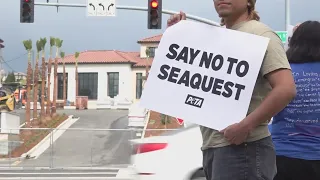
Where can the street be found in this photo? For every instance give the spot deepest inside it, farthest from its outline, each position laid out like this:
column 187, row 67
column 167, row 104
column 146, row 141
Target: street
column 77, row 148
column 62, row 174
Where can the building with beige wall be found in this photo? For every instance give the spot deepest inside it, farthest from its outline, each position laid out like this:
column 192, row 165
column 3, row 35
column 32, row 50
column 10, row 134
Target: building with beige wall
column 107, row 74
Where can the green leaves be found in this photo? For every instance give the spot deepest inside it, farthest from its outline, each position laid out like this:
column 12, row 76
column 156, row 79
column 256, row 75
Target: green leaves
column 43, row 42
column 39, row 46
column 52, row 41
column 76, row 55
column 62, row 54
column 27, row 44
column 58, row 42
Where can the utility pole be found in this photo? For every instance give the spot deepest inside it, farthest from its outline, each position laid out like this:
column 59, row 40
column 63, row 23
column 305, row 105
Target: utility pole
column 1, row 59
column 287, row 14
column 134, row 8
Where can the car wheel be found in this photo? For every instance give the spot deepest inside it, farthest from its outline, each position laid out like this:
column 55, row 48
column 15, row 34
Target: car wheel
column 198, row 175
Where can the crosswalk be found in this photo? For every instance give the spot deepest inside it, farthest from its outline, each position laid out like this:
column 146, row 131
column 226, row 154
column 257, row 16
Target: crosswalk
column 59, row 174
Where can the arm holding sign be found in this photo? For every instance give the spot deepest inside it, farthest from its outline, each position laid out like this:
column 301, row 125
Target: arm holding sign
column 276, row 70
column 174, row 19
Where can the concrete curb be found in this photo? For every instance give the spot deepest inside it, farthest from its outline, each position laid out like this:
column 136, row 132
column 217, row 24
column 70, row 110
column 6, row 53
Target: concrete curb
column 10, row 160
column 69, row 107
column 125, row 166
column 45, row 143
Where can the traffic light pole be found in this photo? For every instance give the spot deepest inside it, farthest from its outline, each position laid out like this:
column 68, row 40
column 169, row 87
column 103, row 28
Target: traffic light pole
column 134, row 8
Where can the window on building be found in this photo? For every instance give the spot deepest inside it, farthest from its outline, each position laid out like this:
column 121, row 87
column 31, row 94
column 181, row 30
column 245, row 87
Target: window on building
column 60, row 86
column 88, row 85
column 152, row 51
column 138, row 85
column 113, row 84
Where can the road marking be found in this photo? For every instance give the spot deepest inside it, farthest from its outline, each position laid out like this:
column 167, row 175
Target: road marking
column 68, row 173
column 60, row 178
column 16, row 163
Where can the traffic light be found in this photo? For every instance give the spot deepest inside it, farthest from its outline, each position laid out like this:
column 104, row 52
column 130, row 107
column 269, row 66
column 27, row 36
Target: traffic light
column 154, row 14
column 1, row 45
column 26, row 11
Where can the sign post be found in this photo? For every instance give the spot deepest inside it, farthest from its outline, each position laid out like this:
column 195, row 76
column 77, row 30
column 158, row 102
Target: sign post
column 202, row 81
column 283, row 36
column 101, row 8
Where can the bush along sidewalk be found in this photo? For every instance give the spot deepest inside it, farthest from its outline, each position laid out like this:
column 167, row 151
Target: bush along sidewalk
column 160, row 121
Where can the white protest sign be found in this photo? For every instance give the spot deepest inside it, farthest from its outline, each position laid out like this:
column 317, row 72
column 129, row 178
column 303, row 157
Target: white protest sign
column 204, row 74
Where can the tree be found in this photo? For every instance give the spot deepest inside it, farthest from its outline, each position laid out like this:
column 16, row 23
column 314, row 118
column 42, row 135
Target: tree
column 48, row 110
column 10, row 77
column 55, row 82
column 28, row 46
column 76, row 55
column 35, row 121
column 62, row 54
column 23, row 82
column 43, row 42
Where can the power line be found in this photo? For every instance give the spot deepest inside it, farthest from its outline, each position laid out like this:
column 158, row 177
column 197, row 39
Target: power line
column 16, row 57
column 7, row 64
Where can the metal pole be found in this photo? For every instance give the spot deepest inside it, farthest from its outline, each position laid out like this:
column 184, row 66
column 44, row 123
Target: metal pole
column 135, row 8
column 1, row 67
column 287, row 15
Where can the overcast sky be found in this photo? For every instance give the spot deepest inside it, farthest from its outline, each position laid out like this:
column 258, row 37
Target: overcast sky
column 80, row 32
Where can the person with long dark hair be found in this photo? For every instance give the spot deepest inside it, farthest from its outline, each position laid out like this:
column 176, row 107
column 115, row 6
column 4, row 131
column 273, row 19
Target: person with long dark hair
column 296, row 129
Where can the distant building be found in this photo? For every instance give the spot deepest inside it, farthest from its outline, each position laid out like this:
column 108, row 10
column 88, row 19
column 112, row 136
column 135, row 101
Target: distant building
column 105, row 74
column 20, row 76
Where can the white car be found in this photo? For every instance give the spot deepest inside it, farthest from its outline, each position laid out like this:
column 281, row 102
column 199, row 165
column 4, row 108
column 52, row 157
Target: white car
column 175, row 154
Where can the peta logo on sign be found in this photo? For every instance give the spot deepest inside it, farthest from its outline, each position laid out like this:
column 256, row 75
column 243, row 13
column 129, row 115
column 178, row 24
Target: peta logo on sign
column 194, row 101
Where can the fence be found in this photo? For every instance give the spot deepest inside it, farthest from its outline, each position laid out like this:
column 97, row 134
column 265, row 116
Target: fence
column 73, row 147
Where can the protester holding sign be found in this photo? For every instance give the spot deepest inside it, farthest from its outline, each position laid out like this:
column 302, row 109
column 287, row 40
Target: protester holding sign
column 245, row 150
column 296, row 129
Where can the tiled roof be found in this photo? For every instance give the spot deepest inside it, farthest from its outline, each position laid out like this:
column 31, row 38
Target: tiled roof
column 99, row 57
column 112, row 56
column 153, row 39
column 106, row 57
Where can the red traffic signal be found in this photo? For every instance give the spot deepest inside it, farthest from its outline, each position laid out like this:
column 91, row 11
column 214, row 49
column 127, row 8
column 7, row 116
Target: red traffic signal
column 1, row 45
column 26, row 11
column 154, row 14
column 154, row 4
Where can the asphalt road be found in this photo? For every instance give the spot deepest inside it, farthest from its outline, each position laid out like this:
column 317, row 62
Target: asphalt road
column 88, row 148
column 63, row 174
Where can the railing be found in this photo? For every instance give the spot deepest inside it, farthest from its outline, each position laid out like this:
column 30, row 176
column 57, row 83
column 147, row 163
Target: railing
column 73, row 147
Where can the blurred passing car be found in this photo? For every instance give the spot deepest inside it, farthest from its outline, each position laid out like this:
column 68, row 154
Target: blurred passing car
column 175, row 154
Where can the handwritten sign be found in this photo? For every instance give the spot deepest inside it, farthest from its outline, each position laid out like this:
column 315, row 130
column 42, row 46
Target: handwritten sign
column 204, row 74
column 303, row 113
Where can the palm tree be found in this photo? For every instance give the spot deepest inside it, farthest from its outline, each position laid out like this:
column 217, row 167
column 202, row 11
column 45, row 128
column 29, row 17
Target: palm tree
column 43, row 78
column 28, row 46
column 76, row 55
column 48, row 110
column 35, row 121
column 62, row 54
column 55, row 81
